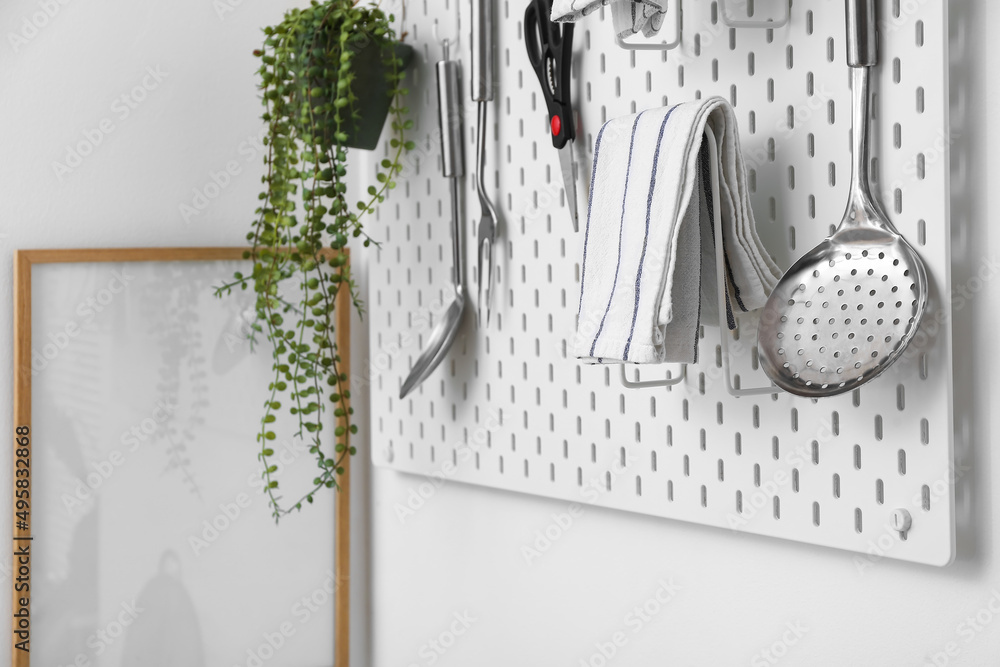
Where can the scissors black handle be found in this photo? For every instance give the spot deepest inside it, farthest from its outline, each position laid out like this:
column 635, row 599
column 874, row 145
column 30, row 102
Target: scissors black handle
column 550, row 50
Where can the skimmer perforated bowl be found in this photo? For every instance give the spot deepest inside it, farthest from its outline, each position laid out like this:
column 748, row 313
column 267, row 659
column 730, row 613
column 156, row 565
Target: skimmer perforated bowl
column 847, row 309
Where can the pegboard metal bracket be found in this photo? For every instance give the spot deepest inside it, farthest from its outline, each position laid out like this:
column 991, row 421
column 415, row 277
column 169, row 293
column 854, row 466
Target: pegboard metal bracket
column 652, row 384
column 765, row 24
column 663, row 45
column 722, row 297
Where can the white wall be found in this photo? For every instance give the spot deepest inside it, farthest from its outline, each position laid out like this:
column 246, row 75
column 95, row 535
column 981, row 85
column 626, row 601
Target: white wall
column 461, row 551
column 63, row 82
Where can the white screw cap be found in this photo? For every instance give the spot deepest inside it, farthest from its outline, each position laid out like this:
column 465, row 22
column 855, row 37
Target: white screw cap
column 901, row 520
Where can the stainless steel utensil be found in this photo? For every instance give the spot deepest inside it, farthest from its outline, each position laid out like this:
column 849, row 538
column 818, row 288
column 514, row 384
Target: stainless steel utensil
column 846, row 310
column 482, row 93
column 450, row 128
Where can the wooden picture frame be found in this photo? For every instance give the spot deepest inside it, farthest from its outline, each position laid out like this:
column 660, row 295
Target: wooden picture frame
column 23, row 440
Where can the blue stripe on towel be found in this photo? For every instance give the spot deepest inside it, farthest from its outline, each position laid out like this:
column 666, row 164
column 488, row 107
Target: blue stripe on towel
column 645, row 240
column 590, row 208
column 621, row 228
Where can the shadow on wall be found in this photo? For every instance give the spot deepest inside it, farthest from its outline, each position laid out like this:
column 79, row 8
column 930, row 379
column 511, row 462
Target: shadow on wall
column 969, row 237
column 168, row 634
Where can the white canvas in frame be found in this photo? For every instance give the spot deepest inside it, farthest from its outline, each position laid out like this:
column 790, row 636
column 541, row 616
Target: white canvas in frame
column 152, row 541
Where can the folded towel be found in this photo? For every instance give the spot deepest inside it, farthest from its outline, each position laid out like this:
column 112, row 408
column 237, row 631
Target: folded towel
column 629, row 16
column 648, row 279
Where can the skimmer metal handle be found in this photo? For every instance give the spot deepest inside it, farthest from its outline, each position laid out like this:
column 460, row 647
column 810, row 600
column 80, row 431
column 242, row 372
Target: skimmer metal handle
column 862, row 33
column 482, row 50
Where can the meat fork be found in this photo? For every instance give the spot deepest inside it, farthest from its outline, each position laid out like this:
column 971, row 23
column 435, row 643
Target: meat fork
column 482, row 93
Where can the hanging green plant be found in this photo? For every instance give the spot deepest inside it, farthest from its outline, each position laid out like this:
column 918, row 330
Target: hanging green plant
column 330, row 74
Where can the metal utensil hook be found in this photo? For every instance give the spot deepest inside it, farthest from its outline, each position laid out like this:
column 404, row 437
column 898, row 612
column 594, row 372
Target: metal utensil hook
column 662, row 46
column 733, row 384
column 768, row 24
column 448, row 43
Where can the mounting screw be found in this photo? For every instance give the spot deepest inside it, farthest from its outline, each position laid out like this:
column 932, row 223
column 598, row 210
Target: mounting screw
column 901, row 522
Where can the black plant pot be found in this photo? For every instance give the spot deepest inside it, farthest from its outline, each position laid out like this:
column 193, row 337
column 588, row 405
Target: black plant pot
column 372, row 91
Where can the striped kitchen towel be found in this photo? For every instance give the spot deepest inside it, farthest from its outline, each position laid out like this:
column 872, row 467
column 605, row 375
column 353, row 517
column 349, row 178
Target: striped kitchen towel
column 629, row 16
column 648, row 278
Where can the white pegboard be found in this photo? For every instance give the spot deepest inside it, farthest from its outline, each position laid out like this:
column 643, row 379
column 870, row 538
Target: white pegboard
column 509, row 409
